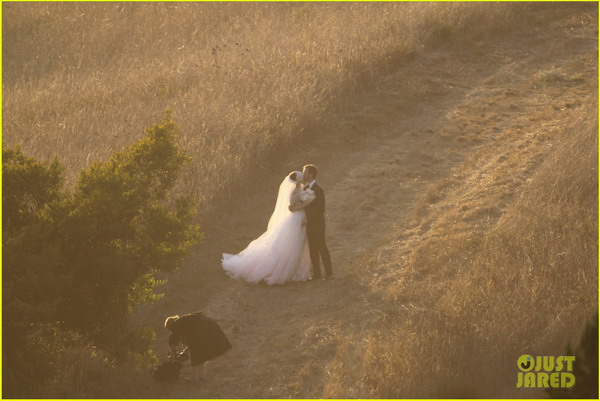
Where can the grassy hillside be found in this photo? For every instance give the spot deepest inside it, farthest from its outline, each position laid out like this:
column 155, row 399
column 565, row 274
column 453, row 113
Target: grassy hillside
column 498, row 269
column 500, row 255
column 458, row 148
column 247, row 81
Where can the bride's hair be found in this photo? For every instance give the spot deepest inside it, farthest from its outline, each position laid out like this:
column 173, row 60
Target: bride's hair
column 296, row 176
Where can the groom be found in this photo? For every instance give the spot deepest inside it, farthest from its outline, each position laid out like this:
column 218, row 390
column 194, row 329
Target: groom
column 315, row 225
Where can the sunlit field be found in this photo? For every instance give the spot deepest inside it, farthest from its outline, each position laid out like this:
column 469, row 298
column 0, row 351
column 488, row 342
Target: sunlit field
column 456, row 142
column 247, row 82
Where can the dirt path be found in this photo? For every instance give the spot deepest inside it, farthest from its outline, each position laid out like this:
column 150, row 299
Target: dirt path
column 374, row 180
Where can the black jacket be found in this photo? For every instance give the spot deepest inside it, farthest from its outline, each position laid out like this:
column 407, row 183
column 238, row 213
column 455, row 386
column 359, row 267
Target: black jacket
column 315, row 211
column 201, row 334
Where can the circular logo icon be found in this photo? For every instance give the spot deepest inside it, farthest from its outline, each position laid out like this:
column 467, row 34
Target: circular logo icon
column 525, row 363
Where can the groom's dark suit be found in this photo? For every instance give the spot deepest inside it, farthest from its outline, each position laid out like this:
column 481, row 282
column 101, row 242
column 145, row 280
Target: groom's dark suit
column 315, row 231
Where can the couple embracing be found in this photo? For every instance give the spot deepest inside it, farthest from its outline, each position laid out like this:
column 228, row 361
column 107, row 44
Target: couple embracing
column 294, row 244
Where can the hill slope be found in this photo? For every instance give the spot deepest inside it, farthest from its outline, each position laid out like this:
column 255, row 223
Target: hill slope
column 461, row 191
column 428, row 206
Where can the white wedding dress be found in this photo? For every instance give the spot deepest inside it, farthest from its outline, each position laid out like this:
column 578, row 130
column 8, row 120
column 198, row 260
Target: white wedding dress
column 281, row 253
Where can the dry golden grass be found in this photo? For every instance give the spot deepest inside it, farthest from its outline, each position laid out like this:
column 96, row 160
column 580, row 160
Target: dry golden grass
column 248, row 82
column 466, row 307
column 432, row 321
column 503, row 262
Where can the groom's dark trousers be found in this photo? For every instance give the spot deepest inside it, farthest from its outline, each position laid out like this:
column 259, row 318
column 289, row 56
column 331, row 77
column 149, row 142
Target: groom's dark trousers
column 315, row 232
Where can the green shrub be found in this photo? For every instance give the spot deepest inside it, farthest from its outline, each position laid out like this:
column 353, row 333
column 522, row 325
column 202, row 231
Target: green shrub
column 32, row 282
column 80, row 260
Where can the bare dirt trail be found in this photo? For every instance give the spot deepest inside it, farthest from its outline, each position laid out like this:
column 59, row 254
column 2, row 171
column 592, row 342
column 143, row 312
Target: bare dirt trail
column 374, row 180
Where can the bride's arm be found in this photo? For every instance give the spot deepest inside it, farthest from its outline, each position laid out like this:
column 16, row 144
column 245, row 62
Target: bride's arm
column 295, row 202
column 295, row 206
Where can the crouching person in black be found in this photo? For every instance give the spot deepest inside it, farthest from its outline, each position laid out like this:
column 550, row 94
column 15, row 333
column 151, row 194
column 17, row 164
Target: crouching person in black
column 203, row 337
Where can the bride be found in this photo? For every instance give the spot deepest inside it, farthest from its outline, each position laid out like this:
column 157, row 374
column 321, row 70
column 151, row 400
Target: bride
column 281, row 253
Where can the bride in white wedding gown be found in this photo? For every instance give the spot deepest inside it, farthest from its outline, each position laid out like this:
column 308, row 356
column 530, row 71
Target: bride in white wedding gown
column 281, row 253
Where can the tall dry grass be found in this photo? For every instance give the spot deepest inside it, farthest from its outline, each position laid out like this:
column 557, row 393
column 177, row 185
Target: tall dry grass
column 248, row 82
column 477, row 293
